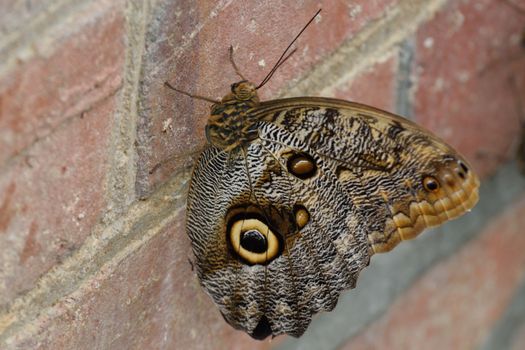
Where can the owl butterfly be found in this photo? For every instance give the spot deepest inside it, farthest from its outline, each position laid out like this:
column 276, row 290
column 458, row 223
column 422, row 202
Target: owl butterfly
column 291, row 197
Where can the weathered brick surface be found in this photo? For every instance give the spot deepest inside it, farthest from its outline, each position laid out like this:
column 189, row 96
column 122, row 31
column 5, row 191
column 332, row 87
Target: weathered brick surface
column 51, row 198
column 455, row 305
column 56, row 115
column 188, row 45
column 13, row 14
column 465, row 60
column 376, row 86
column 63, row 80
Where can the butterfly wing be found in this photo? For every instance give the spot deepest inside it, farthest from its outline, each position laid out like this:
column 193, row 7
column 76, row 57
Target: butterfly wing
column 281, row 228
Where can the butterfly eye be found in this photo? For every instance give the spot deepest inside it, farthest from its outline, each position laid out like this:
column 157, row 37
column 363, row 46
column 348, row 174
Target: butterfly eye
column 234, row 86
column 301, row 216
column 302, row 166
column 253, row 241
column 430, row 184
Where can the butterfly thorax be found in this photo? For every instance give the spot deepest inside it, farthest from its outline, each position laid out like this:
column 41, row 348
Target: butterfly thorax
column 229, row 125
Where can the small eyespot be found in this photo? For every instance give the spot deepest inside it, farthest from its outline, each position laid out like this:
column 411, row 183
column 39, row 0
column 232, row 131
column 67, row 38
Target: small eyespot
column 253, row 241
column 302, row 166
column 464, row 167
column 430, row 184
column 301, row 216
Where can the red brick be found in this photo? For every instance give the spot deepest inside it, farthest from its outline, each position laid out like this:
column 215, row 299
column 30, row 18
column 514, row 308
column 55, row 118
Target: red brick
column 258, row 31
column 456, row 303
column 376, row 86
column 149, row 300
column 81, row 68
column 466, row 57
column 50, row 199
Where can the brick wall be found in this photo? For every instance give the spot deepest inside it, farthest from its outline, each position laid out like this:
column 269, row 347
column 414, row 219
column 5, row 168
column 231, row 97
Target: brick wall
column 93, row 252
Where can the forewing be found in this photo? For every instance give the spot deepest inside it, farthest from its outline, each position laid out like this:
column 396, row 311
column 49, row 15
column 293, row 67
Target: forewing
column 384, row 162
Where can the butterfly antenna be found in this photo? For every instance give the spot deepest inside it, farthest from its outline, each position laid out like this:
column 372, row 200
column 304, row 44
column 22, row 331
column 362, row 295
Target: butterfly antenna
column 190, row 95
column 234, row 65
column 284, row 56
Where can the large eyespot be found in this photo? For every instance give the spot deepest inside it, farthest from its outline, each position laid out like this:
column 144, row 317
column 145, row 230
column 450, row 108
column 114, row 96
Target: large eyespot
column 301, row 216
column 431, row 184
column 302, row 165
column 253, row 241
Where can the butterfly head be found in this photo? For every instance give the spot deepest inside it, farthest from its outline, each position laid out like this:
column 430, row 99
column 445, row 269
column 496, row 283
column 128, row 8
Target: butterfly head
column 242, row 91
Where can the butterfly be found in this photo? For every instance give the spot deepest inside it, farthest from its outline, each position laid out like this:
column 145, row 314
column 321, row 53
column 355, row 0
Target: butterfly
column 291, row 197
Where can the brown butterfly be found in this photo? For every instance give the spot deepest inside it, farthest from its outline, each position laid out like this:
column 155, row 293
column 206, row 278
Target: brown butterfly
column 291, row 198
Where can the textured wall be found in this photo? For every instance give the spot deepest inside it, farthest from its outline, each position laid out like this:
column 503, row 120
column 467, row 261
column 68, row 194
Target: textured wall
column 93, row 252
